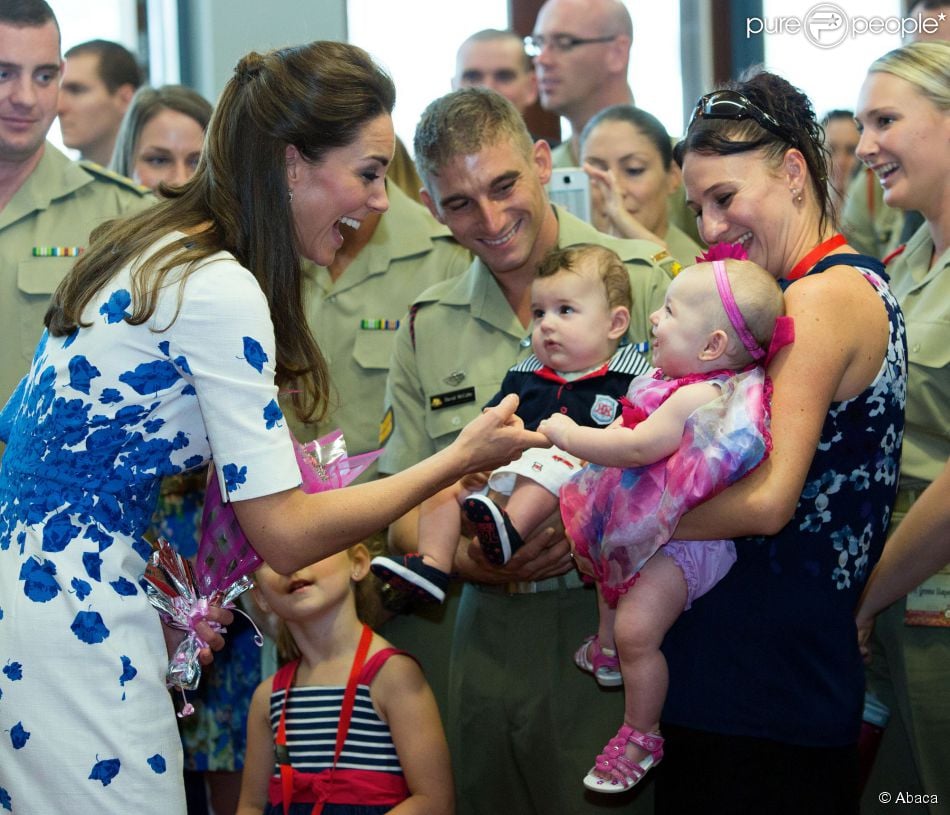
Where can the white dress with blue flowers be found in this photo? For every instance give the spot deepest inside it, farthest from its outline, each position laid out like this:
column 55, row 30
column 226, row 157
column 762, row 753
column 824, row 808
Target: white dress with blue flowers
column 86, row 723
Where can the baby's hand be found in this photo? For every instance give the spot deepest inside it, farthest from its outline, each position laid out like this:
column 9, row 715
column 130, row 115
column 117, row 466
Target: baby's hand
column 557, row 428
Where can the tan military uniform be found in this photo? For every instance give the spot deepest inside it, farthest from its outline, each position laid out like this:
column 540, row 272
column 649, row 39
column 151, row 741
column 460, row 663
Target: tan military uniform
column 681, row 246
column 911, row 664
column 354, row 318
column 563, row 156
column 924, row 295
column 51, row 214
column 870, row 225
column 466, row 336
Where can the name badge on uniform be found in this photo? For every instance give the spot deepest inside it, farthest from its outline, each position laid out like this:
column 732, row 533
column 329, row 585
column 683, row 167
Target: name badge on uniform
column 452, row 398
column 929, row 603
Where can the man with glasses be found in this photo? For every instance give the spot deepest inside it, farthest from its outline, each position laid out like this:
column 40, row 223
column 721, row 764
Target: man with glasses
column 581, row 51
column 496, row 59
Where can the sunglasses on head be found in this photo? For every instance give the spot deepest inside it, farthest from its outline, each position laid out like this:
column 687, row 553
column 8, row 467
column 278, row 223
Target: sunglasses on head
column 733, row 106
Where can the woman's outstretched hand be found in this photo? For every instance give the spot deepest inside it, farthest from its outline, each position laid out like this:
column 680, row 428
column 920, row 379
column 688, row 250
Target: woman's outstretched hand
column 496, row 437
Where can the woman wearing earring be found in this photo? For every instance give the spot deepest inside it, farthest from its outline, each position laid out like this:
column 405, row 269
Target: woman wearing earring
column 904, row 115
column 766, row 682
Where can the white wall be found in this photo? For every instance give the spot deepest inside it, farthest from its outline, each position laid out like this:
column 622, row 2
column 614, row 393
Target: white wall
column 220, row 32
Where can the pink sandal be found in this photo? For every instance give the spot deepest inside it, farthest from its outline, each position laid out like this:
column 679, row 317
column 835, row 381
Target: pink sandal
column 605, row 667
column 624, row 773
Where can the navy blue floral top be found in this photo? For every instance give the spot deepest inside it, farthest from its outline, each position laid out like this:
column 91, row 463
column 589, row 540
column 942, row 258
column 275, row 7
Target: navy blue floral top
column 771, row 652
column 103, row 415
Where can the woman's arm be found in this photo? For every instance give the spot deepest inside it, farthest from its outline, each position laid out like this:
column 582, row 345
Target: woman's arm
column 291, row 529
column 259, row 757
column 405, row 702
column 832, row 359
column 918, row 548
column 653, row 439
column 608, row 212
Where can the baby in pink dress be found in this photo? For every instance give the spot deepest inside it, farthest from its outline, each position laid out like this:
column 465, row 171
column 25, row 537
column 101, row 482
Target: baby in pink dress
column 688, row 430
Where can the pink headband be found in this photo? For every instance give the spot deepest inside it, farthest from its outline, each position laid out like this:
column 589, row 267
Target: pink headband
column 733, row 313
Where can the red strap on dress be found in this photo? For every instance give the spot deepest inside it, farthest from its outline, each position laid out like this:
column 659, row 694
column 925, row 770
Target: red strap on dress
column 376, row 661
column 346, row 714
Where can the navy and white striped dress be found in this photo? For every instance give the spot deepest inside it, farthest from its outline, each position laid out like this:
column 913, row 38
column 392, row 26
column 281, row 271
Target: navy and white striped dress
column 368, row 778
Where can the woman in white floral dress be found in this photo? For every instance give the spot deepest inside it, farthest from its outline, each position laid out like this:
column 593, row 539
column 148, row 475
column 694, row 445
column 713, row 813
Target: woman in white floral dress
column 164, row 350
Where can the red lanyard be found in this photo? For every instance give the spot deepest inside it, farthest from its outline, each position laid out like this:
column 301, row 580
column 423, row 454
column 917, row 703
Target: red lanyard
column 804, row 266
column 346, row 713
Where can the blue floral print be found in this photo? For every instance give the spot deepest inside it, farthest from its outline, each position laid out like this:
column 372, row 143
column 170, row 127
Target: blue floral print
column 105, row 771
column 103, row 416
column 114, row 309
column 19, row 736
column 272, row 414
column 234, row 476
column 254, row 354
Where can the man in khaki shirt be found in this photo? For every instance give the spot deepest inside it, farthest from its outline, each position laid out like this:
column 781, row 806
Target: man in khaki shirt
column 48, row 204
column 524, row 724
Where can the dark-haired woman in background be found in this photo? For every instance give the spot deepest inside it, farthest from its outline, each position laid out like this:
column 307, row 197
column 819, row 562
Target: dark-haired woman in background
column 629, row 157
column 165, row 347
column 767, row 683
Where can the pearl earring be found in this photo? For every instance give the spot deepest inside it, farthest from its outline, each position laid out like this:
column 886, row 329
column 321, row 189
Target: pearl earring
column 290, row 196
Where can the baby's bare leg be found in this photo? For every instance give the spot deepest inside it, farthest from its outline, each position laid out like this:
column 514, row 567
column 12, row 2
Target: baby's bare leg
column 529, row 505
column 440, row 525
column 644, row 615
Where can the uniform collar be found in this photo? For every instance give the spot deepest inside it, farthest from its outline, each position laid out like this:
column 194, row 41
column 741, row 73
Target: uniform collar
column 54, row 177
column 916, row 257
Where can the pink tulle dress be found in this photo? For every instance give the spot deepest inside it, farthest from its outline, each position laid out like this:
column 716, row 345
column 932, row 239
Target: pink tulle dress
column 619, row 517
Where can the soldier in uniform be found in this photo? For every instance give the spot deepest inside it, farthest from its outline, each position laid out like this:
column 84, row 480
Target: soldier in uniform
column 870, row 225
column 911, row 645
column 48, row 204
column 522, row 718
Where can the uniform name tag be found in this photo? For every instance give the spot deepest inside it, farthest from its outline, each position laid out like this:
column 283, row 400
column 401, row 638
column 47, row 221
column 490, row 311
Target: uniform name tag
column 444, row 400
column 929, row 603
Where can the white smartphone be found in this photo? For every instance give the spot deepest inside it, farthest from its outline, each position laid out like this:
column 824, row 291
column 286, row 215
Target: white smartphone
column 570, row 187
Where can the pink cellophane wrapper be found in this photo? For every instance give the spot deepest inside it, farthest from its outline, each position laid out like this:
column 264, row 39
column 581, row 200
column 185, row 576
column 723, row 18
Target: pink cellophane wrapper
column 225, row 561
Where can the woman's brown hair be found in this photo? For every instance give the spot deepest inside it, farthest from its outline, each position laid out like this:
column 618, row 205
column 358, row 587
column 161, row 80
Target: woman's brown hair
column 315, row 97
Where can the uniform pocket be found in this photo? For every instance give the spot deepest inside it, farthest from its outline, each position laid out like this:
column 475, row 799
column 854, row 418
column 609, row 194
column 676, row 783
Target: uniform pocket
column 928, row 343
column 37, row 279
column 373, row 349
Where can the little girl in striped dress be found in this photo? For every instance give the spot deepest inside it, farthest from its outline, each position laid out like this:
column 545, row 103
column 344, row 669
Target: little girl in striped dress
column 349, row 726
